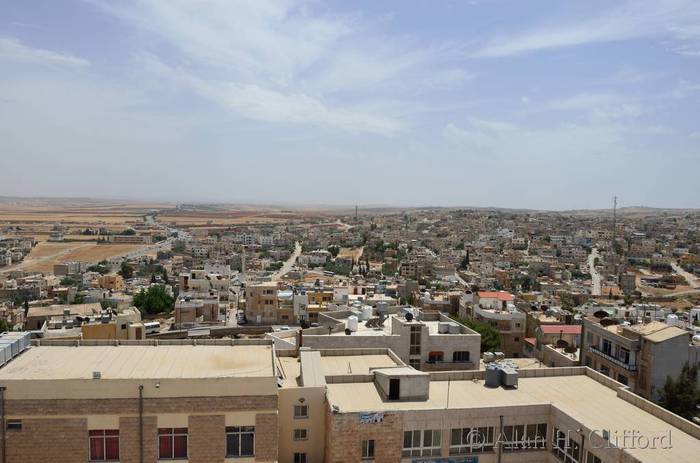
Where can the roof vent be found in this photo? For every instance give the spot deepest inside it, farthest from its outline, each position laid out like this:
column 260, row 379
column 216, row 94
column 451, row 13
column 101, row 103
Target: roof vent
column 96, row 375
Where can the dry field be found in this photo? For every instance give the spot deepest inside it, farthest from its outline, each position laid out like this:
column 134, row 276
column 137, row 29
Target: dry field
column 46, row 254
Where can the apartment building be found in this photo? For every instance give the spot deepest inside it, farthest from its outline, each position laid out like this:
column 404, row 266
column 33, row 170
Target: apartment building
column 195, row 308
column 141, row 403
column 424, row 340
column 261, row 303
column 555, row 345
column 496, row 308
column 206, row 280
column 639, row 355
column 125, row 324
column 111, row 282
column 403, row 415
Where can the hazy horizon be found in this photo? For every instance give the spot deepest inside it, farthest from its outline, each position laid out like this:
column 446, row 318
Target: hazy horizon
column 542, row 105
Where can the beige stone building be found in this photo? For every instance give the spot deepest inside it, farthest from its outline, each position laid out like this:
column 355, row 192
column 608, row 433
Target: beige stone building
column 261, row 303
column 640, row 355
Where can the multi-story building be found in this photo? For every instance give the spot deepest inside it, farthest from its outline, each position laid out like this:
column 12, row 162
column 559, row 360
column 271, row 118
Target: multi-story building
column 497, row 309
column 641, row 355
column 423, row 340
column 261, row 303
column 141, row 403
column 235, row 400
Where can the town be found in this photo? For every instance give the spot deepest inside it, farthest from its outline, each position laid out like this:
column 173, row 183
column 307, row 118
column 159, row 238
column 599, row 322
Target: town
column 320, row 335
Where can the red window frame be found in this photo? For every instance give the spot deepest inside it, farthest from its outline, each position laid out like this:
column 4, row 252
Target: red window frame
column 103, row 444
column 172, row 443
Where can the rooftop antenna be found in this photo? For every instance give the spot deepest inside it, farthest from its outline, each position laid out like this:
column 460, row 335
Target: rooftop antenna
column 355, row 213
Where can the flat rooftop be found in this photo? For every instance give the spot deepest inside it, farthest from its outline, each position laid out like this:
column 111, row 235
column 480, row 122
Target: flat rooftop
column 583, row 398
column 140, row 362
column 336, row 365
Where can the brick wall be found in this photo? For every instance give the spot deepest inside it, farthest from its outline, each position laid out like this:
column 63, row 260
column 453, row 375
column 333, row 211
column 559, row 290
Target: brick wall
column 266, row 437
column 54, row 440
column 129, row 439
column 207, row 438
column 344, row 436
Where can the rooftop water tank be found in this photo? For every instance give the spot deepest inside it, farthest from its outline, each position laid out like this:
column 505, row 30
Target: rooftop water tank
column 443, row 328
column 366, row 312
column 352, row 323
column 672, row 319
column 493, row 375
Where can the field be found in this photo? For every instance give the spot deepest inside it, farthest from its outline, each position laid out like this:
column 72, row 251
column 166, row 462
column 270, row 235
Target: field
column 45, row 254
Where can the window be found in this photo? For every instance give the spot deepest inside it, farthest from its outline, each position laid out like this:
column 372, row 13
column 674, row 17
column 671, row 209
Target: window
column 590, row 458
column 415, row 340
column 607, row 347
column 605, row 370
column 301, row 434
column 415, row 363
column 516, row 339
column 14, row 425
column 240, row 441
column 589, row 361
column 624, row 355
column 565, row 448
column 471, row 440
column 622, row 379
column 368, row 449
column 104, row 444
column 301, row 411
column 460, row 356
column 299, row 458
column 524, row 437
column 422, row 443
column 172, row 443
column 435, row 356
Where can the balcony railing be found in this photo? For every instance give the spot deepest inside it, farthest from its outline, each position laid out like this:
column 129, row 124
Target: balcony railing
column 616, row 361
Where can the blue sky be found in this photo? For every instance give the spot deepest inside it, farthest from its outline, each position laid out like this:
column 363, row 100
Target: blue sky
column 537, row 104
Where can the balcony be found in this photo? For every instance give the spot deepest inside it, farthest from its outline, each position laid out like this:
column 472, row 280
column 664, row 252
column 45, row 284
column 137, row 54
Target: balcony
column 610, row 358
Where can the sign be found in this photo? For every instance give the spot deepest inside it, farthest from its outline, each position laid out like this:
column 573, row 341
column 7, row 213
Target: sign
column 371, row 417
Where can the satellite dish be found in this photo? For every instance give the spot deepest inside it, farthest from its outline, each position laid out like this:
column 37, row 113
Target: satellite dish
column 562, row 344
column 409, row 316
column 600, row 314
column 608, row 322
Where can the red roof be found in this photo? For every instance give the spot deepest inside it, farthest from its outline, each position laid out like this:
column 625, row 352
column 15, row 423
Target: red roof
column 565, row 329
column 532, row 341
column 500, row 295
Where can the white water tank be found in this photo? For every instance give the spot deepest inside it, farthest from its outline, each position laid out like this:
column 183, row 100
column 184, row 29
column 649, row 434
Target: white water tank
column 366, row 312
column 352, row 323
column 696, row 340
column 672, row 319
column 443, row 328
column 694, row 314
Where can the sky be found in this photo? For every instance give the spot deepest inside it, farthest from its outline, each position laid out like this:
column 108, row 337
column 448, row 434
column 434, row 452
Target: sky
column 509, row 103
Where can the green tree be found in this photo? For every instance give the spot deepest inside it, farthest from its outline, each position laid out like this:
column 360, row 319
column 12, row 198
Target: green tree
column 154, row 300
column 69, row 281
column 126, row 271
column 4, row 326
column 681, row 396
column 490, row 336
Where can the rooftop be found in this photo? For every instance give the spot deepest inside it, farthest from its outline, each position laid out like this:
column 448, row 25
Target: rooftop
column 607, row 411
column 140, row 362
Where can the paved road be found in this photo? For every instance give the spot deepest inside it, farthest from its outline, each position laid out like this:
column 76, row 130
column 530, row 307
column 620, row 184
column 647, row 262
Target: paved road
column 693, row 281
column 289, row 263
column 595, row 276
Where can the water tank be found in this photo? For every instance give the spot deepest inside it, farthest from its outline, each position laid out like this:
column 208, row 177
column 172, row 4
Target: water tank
column 382, row 308
column 352, row 323
column 443, row 328
column 366, row 312
column 499, row 355
column 454, row 328
column 696, row 340
column 672, row 319
column 694, row 314
column 489, row 357
column 509, row 377
column 493, row 376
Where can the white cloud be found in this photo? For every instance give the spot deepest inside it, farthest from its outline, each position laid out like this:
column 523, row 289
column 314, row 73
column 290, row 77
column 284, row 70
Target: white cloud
column 288, row 61
column 672, row 19
column 13, row 50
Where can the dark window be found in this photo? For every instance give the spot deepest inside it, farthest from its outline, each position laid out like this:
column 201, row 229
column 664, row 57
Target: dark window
column 240, row 441
column 460, row 356
column 435, row 357
column 14, row 425
column 301, row 434
column 622, row 379
column 104, row 444
column 172, row 443
column 299, row 458
column 368, row 449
